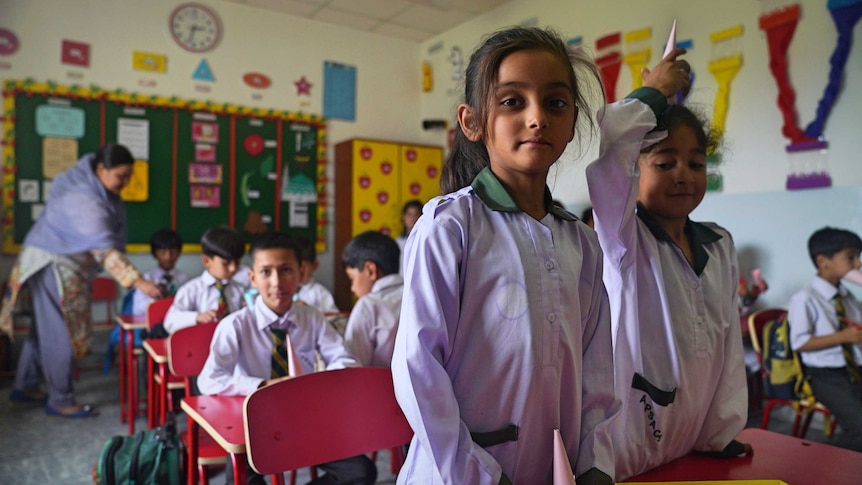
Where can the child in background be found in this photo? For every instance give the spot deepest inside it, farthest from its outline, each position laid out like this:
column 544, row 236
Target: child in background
column 165, row 246
column 824, row 329
column 505, row 327
column 241, row 353
column 371, row 260
column 213, row 294
column 409, row 215
column 672, row 282
column 311, row 292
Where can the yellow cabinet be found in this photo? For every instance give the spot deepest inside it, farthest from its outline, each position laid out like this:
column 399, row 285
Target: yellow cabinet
column 373, row 180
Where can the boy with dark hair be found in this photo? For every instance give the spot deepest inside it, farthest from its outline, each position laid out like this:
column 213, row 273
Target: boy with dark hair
column 212, row 295
column 824, row 328
column 166, row 247
column 311, row 292
column 371, row 261
column 249, row 349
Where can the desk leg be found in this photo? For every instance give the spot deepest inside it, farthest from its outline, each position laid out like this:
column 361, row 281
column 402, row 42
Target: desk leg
column 192, row 464
column 123, row 372
column 132, row 383
column 163, row 393
column 151, row 394
column 239, row 472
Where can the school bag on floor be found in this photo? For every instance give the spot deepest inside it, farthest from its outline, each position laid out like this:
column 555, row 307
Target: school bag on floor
column 149, row 457
column 785, row 377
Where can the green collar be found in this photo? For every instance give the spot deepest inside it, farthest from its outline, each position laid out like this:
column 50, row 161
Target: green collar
column 492, row 193
column 698, row 235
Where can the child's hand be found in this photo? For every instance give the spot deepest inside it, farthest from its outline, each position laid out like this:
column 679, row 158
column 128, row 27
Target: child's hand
column 670, row 75
column 206, row 317
column 149, row 288
column 852, row 334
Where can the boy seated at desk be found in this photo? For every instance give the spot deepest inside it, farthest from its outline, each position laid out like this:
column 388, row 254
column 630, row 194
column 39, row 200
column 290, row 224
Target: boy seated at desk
column 371, row 261
column 214, row 294
column 311, row 292
column 249, row 347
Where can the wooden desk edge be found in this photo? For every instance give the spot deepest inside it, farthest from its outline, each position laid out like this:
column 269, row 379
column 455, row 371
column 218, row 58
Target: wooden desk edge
column 154, row 354
column 131, row 322
column 237, row 449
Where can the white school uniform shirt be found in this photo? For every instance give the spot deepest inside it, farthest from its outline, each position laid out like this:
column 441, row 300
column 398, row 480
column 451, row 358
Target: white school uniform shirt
column 812, row 314
column 140, row 301
column 504, row 320
column 314, row 294
column 676, row 327
column 199, row 295
column 241, row 350
column 373, row 322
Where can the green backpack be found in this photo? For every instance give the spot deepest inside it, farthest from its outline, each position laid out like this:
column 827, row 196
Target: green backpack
column 148, row 457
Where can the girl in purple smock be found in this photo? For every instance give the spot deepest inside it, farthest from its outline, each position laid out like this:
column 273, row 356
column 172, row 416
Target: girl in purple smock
column 672, row 282
column 505, row 331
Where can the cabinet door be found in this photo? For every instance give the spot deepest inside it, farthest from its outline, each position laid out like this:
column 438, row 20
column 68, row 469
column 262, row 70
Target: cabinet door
column 420, row 173
column 376, row 187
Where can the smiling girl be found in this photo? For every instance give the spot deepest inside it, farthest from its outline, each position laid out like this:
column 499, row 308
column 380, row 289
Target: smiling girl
column 672, row 282
column 505, row 332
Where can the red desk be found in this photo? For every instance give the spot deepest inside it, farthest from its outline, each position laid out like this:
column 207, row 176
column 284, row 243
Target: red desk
column 776, row 457
column 129, row 408
column 221, row 418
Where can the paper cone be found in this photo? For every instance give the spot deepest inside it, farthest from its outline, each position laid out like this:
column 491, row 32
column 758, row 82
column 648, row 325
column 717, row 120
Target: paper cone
column 294, row 367
column 562, row 469
column 671, row 40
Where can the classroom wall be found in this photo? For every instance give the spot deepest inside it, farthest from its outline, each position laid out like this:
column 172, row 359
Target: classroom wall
column 280, row 46
column 753, row 203
column 770, row 224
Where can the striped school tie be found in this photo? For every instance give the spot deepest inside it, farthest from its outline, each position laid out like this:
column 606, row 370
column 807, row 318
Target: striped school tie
column 280, row 367
column 223, row 309
column 846, row 348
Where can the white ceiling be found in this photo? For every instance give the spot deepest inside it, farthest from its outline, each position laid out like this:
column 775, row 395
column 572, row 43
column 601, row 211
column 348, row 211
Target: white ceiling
column 413, row 20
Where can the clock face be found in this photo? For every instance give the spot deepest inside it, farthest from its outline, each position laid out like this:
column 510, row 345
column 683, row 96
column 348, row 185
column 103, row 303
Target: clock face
column 195, row 28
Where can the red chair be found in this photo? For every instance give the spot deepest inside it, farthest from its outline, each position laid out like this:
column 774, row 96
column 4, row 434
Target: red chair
column 105, row 291
column 159, row 383
column 802, row 408
column 342, row 413
column 188, row 350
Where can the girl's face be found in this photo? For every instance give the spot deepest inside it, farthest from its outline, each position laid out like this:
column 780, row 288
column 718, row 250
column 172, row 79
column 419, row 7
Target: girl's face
column 673, row 175
column 532, row 115
column 409, row 218
column 114, row 179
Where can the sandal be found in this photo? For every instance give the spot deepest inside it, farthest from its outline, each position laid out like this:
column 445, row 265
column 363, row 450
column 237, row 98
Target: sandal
column 86, row 411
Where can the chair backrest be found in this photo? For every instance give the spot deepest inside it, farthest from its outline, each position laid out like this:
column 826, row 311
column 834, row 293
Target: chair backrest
column 756, row 322
column 322, row 417
column 157, row 310
column 105, row 290
column 188, row 349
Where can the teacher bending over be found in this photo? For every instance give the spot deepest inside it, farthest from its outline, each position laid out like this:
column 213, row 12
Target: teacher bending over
column 82, row 227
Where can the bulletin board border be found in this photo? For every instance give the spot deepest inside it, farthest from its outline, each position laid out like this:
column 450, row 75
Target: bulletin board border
column 29, row 87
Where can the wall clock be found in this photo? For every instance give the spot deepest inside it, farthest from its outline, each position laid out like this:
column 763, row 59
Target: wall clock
column 195, row 27
column 8, row 42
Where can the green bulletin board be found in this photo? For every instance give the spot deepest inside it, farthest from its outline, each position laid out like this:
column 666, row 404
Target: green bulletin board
column 202, row 164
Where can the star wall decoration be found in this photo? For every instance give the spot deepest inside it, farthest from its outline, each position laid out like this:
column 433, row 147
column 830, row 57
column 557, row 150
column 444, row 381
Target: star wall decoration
column 303, row 87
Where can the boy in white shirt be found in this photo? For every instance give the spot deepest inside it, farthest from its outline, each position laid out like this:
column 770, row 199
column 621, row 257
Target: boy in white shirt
column 241, row 357
column 311, row 292
column 165, row 246
column 212, row 295
column 371, row 261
